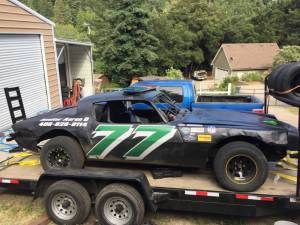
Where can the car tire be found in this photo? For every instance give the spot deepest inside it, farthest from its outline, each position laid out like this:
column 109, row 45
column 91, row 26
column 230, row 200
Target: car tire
column 240, row 166
column 119, row 204
column 67, row 202
column 62, row 152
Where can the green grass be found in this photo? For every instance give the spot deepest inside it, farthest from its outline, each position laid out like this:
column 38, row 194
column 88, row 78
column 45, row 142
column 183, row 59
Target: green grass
column 21, row 210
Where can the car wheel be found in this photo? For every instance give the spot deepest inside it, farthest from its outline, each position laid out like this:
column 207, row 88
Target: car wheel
column 240, row 166
column 119, row 204
column 67, row 202
column 62, row 152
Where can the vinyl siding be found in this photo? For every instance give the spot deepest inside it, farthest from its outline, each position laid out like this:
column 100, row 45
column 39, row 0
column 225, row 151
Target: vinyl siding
column 14, row 19
column 221, row 61
column 81, row 67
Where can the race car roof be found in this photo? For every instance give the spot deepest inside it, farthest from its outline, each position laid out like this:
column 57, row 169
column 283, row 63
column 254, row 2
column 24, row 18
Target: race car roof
column 115, row 96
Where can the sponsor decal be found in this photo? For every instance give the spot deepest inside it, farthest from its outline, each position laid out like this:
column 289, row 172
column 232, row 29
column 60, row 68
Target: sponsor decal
column 185, row 130
column 204, row 138
column 64, row 122
column 154, row 136
column 211, row 129
column 197, row 130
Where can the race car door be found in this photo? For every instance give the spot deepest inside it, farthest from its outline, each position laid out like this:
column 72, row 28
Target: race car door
column 135, row 131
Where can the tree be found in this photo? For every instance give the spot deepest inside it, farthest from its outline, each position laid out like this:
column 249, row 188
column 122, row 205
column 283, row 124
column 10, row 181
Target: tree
column 62, row 12
column 68, row 31
column 279, row 22
column 286, row 55
column 189, row 34
column 129, row 47
column 237, row 17
column 44, row 7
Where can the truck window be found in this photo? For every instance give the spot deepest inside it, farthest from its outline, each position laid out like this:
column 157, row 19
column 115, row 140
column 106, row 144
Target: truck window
column 176, row 93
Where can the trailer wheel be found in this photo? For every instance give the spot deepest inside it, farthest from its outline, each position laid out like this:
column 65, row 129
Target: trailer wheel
column 67, row 202
column 119, row 204
column 240, row 166
column 62, row 152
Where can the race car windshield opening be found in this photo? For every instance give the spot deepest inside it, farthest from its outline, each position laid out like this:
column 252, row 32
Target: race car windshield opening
column 167, row 105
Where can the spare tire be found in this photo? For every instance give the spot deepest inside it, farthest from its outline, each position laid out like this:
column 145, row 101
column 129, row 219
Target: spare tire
column 283, row 79
column 272, row 79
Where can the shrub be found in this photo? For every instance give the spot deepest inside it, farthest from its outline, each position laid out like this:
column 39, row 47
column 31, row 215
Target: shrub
column 174, row 74
column 287, row 54
column 253, row 76
column 234, row 80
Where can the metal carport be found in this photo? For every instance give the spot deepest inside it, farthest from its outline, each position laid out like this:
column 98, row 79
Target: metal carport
column 75, row 62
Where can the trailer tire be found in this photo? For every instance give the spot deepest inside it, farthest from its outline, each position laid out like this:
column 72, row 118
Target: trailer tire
column 240, row 166
column 119, row 204
column 75, row 202
column 62, row 152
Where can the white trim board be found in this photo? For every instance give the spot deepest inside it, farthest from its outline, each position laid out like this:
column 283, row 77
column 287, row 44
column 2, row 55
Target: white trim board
column 46, row 72
column 57, row 70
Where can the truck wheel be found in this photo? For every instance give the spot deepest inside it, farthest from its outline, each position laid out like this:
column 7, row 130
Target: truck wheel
column 67, row 202
column 240, row 166
column 119, row 204
column 62, row 152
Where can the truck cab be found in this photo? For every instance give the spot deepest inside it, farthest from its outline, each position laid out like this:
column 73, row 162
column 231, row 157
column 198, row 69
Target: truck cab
column 185, row 95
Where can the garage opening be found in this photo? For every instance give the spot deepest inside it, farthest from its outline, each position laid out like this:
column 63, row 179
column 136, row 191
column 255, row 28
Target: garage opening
column 75, row 67
column 22, row 67
column 220, row 74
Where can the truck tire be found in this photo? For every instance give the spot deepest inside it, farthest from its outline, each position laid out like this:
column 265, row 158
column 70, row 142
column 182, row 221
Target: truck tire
column 62, row 152
column 240, row 166
column 67, row 202
column 119, row 204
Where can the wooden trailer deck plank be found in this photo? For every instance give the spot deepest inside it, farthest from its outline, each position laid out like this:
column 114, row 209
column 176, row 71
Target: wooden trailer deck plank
column 202, row 180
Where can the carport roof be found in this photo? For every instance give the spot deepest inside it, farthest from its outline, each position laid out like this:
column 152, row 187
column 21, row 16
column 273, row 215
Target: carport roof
column 72, row 42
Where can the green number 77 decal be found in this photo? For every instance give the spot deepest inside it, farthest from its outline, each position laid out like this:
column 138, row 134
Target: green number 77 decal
column 155, row 136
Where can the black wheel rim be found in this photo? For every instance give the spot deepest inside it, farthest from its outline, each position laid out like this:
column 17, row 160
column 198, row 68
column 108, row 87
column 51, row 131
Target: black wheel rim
column 58, row 157
column 241, row 169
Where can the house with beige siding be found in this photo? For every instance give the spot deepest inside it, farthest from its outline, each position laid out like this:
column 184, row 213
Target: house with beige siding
column 29, row 61
column 238, row 59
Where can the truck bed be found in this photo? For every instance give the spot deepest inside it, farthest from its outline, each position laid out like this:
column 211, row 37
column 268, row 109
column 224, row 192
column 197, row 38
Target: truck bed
column 199, row 180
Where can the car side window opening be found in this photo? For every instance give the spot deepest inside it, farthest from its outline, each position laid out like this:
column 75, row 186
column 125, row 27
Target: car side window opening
column 139, row 112
column 176, row 93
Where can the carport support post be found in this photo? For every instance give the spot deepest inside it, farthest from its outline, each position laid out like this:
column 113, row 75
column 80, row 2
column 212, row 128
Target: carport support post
column 298, row 172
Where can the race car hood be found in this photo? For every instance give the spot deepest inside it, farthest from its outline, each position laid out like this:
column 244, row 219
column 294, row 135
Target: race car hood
column 224, row 117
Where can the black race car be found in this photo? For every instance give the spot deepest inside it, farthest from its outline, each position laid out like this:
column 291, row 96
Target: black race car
column 139, row 125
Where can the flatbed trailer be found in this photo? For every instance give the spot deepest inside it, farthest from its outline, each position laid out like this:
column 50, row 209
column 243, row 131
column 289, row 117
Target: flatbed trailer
column 69, row 193
column 195, row 191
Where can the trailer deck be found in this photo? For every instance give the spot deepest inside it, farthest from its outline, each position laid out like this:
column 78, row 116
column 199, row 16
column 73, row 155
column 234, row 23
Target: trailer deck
column 195, row 191
column 198, row 180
